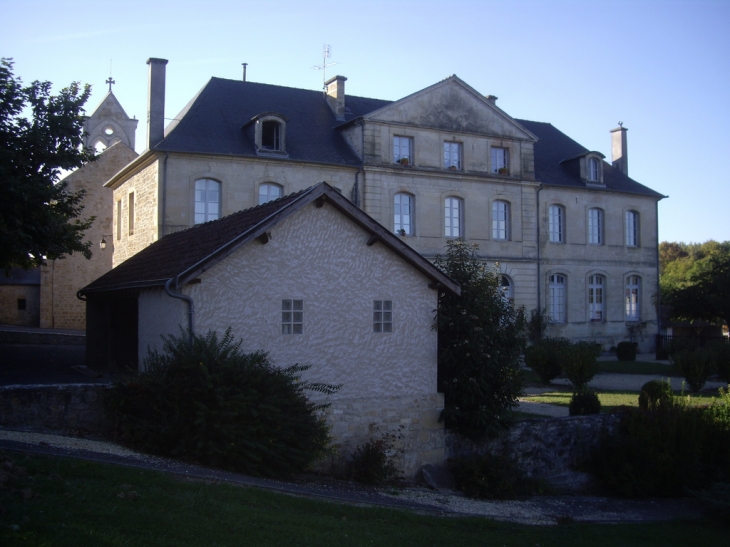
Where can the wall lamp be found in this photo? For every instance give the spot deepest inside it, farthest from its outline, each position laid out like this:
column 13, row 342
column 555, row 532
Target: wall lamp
column 102, row 243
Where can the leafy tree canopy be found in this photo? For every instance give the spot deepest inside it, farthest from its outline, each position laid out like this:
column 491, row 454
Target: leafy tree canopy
column 481, row 336
column 695, row 280
column 38, row 214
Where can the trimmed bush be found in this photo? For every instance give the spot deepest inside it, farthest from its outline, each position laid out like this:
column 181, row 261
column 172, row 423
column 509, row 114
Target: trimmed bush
column 655, row 393
column 721, row 354
column 374, row 461
column 491, row 476
column 584, row 403
column 579, row 363
column 696, row 366
column 209, row 403
column 545, row 356
column 626, row 351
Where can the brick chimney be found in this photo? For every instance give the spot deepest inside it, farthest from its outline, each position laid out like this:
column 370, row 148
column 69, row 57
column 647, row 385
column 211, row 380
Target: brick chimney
column 156, row 102
column 335, row 90
column 619, row 150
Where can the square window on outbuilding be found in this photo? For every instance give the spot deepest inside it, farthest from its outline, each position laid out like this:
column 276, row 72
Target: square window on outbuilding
column 292, row 316
column 22, row 304
column 382, row 316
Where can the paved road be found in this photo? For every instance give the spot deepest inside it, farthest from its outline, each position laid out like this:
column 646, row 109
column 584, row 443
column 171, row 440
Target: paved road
column 42, row 364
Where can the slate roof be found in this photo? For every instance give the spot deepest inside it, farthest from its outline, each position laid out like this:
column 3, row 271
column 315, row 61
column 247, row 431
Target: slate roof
column 185, row 254
column 213, row 120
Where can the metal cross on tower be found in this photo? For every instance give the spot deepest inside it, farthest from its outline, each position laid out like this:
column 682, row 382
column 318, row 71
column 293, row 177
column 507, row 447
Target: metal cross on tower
column 110, row 82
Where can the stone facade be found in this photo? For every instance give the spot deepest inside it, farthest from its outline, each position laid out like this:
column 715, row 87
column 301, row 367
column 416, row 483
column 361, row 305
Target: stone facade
column 19, row 304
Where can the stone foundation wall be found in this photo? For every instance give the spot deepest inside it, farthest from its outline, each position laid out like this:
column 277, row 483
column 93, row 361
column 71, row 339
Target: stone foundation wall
column 58, row 408
column 550, row 450
column 413, row 420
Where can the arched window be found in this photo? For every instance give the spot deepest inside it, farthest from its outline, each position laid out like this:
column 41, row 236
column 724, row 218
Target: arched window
column 500, row 220
column 506, row 285
column 271, row 135
column 556, row 221
column 403, row 214
column 269, row 192
column 453, row 217
column 632, row 229
column 632, row 298
column 556, row 298
column 595, row 298
column 595, row 226
column 207, row 200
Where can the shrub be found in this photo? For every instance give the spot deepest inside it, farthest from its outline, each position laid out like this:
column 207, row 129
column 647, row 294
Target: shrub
column 209, row 403
column 584, row 403
column 696, row 366
column 491, row 476
column 374, row 462
column 626, row 351
column 579, row 363
column 721, row 354
column 545, row 357
column 655, row 393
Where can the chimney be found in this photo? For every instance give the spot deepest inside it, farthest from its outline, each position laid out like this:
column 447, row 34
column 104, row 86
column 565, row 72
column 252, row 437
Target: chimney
column 619, row 150
column 156, row 102
column 335, row 90
column 492, row 99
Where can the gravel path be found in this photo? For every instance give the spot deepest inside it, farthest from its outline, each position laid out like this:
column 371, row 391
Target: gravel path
column 543, row 510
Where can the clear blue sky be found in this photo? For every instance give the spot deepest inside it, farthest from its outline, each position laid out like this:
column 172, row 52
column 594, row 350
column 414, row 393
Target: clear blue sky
column 661, row 67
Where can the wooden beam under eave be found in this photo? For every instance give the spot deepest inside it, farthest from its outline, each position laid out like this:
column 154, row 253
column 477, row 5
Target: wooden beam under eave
column 263, row 238
column 373, row 240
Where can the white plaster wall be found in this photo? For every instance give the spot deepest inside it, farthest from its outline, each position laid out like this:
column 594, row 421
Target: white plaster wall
column 321, row 257
column 158, row 314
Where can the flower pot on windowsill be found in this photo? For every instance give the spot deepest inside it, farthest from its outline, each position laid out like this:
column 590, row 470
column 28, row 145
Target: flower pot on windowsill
column 503, row 171
column 404, row 162
column 453, row 167
column 401, row 232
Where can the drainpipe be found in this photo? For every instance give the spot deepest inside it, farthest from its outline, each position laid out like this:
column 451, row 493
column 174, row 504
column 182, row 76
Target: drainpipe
column 539, row 278
column 356, row 189
column 658, row 286
column 191, row 308
column 164, row 195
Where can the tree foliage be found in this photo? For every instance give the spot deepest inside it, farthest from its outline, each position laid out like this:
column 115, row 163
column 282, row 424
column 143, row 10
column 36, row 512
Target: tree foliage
column 39, row 215
column 695, row 280
column 481, row 337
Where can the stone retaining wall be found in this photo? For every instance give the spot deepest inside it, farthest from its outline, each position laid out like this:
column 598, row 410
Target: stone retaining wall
column 548, row 450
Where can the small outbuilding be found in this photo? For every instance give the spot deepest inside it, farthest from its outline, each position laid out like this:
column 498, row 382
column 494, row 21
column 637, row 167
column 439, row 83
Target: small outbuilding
column 311, row 279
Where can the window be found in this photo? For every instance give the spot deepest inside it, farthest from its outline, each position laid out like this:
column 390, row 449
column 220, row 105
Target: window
column 119, row 219
column 292, row 316
column 595, row 297
column 22, row 304
column 506, row 286
column 452, row 217
column 402, row 150
column 500, row 220
column 500, row 161
column 632, row 298
column 269, row 192
column 556, row 221
column 632, row 229
column 452, row 155
column 595, row 226
column 382, row 316
column 593, row 170
column 403, row 214
column 271, row 135
column 207, row 200
column 131, row 213
column 556, row 298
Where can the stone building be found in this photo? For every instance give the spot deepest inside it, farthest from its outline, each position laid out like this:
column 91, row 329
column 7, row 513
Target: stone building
column 112, row 134
column 570, row 231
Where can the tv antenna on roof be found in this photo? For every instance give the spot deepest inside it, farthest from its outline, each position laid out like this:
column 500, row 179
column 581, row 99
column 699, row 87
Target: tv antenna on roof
column 326, row 54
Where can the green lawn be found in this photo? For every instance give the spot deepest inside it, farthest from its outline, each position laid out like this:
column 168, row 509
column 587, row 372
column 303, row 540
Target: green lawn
column 64, row 502
column 610, row 400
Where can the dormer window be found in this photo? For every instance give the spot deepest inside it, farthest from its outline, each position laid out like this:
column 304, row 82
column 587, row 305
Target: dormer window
column 593, row 170
column 270, row 133
column 591, row 167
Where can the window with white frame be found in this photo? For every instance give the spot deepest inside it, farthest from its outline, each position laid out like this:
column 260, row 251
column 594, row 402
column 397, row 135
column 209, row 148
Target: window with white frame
column 403, row 214
column 556, row 224
column 207, row 200
column 382, row 316
column 292, row 316
column 500, row 220
column 595, row 226
column 595, row 297
column 506, row 285
column 269, row 192
column 632, row 229
column 594, row 173
column 500, row 161
column 271, row 135
column 452, row 155
column 556, row 298
column 453, row 213
column 403, row 150
column 632, row 302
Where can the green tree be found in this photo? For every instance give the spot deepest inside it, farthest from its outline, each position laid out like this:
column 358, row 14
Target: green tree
column 39, row 215
column 481, row 337
column 695, row 280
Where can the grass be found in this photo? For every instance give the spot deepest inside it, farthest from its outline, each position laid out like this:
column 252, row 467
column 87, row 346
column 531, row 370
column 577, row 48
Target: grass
column 66, row 502
column 610, row 400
